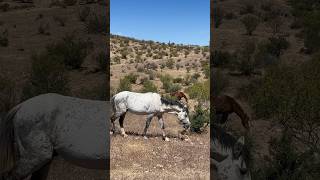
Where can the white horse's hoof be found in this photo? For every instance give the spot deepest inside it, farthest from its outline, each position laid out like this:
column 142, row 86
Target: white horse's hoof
column 125, row 135
column 111, row 132
column 145, row 137
column 166, row 139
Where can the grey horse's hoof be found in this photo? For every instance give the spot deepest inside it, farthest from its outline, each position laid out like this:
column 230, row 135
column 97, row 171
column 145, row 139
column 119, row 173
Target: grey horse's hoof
column 145, row 137
column 125, row 135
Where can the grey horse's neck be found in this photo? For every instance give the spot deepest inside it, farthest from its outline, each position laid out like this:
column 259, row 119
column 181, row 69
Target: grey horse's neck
column 171, row 105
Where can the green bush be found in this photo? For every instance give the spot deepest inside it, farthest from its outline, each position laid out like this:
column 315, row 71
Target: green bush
column 125, row 85
column 220, row 82
column 221, row 58
column 199, row 91
column 148, row 86
column 84, row 13
column 71, row 50
column 170, row 63
column 250, row 22
column 277, row 45
column 48, row 75
column 199, row 119
column 4, row 41
column 287, row 162
column 7, row 93
column 96, row 24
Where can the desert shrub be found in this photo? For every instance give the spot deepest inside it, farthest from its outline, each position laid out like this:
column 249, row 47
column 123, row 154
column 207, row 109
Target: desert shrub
column 277, row 45
column 206, row 71
column 69, row 2
column 173, row 88
column 132, row 78
column 60, row 20
column 96, row 24
column 4, row 41
column 287, row 162
column 48, row 75
column 250, row 22
column 199, row 119
column 7, row 93
column 71, row 50
column 177, row 80
column 289, row 95
column 220, row 82
column 101, row 60
column 116, row 59
column 168, row 85
column 125, row 84
column 199, row 91
column 247, row 7
column 84, row 13
column 221, row 58
column 245, row 62
column 195, row 76
column 170, row 63
column 44, row 28
column 148, row 86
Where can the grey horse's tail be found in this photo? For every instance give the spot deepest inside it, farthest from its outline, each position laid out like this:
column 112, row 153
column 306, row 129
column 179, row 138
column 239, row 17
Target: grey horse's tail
column 7, row 149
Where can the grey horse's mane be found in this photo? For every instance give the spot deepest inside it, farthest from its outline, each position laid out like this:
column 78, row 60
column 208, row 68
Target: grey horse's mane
column 173, row 103
column 226, row 140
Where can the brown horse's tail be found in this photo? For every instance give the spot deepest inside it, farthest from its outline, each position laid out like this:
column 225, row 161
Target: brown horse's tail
column 7, row 149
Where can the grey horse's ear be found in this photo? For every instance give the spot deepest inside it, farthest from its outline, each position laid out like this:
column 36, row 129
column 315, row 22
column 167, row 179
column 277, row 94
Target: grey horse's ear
column 241, row 141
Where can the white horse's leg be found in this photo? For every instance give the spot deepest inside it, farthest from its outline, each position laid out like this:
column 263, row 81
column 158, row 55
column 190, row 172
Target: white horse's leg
column 36, row 153
column 161, row 123
column 149, row 118
column 121, row 119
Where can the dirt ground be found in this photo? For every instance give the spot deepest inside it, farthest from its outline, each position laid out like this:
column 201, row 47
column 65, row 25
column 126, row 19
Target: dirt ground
column 134, row 157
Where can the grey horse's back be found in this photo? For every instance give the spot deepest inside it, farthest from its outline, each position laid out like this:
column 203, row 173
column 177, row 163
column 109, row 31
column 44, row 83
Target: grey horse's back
column 78, row 128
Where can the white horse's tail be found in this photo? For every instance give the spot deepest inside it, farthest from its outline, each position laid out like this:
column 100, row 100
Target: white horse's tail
column 7, row 149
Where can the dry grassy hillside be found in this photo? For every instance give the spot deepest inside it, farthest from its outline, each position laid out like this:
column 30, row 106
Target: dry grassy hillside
column 245, row 62
column 147, row 66
column 27, row 28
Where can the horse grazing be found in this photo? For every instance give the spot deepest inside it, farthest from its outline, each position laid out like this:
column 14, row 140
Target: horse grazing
column 179, row 95
column 151, row 104
column 225, row 105
column 227, row 155
column 51, row 124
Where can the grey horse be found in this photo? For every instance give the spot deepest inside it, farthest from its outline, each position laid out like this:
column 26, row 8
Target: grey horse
column 39, row 128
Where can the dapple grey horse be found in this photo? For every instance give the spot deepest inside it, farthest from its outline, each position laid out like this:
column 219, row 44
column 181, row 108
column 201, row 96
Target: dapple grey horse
column 33, row 131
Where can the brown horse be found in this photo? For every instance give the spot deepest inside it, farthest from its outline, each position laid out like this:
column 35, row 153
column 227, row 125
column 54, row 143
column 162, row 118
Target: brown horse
column 225, row 105
column 179, row 95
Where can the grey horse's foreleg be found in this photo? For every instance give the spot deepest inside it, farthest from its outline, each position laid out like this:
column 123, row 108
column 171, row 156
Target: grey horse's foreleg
column 121, row 119
column 161, row 123
column 42, row 173
column 113, row 128
column 149, row 118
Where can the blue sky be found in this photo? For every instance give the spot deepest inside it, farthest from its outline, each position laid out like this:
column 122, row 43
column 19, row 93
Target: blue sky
column 178, row 21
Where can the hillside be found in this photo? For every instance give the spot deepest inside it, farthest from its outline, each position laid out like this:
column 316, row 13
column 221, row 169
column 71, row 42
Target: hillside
column 163, row 68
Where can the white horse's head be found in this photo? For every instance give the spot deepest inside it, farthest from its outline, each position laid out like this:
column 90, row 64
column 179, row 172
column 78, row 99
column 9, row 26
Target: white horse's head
column 184, row 118
column 228, row 158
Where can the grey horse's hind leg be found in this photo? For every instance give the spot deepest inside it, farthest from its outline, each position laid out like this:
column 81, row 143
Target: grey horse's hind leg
column 161, row 123
column 35, row 155
column 42, row 173
column 149, row 118
column 121, row 119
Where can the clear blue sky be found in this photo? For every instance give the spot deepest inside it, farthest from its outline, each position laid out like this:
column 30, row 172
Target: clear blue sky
column 178, row 21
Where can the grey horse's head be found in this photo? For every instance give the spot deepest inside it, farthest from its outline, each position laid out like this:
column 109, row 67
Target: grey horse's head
column 228, row 157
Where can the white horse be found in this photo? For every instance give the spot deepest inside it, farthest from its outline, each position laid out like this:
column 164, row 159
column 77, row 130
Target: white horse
column 151, row 104
column 227, row 156
column 35, row 130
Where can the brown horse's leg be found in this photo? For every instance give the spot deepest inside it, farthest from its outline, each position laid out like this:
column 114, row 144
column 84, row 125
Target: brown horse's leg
column 121, row 119
column 42, row 173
